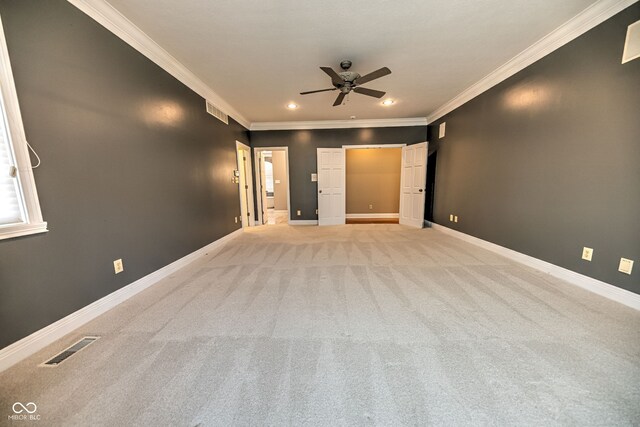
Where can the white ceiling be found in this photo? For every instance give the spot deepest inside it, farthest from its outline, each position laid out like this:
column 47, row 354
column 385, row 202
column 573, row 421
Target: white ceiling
column 259, row 54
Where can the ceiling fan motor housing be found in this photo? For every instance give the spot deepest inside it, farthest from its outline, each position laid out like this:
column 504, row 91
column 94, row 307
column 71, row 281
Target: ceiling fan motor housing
column 346, row 81
column 349, row 76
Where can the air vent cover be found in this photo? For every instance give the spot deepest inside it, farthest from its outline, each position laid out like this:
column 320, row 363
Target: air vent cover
column 65, row 354
column 217, row 113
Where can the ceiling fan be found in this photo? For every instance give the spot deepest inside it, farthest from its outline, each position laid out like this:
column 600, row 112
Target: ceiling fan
column 346, row 81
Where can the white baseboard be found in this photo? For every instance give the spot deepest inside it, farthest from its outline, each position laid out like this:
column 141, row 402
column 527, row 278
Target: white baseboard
column 596, row 286
column 280, row 211
column 373, row 215
column 29, row 345
column 303, row 222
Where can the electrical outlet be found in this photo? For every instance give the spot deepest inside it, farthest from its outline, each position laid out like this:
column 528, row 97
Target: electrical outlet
column 451, row 217
column 298, row 212
column 117, row 266
column 455, row 218
column 587, row 253
column 235, row 219
column 370, row 207
column 626, row 265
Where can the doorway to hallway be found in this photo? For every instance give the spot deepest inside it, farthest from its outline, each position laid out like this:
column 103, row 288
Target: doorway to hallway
column 272, row 185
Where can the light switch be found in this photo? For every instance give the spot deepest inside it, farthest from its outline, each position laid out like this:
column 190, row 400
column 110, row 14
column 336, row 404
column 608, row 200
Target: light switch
column 451, row 217
column 314, row 177
column 626, row 265
column 442, row 129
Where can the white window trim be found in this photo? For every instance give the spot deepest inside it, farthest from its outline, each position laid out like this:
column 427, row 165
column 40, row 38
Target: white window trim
column 33, row 222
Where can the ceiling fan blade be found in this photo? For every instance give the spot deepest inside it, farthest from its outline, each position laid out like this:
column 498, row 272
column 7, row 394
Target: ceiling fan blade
column 369, row 92
column 335, row 77
column 316, row 91
column 339, row 99
column 372, row 76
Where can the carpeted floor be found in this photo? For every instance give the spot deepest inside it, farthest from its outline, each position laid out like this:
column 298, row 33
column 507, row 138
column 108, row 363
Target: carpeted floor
column 347, row 325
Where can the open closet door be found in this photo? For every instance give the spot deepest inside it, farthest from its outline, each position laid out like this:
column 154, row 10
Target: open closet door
column 331, row 186
column 263, row 190
column 412, row 184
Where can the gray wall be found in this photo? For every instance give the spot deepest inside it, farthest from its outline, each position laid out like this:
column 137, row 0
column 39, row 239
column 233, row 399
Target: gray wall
column 132, row 166
column 302, row 155
column 549, row 160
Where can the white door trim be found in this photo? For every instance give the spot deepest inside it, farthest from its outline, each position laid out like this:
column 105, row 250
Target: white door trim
column 247, row 220
column 356, row 147
column 257, row 178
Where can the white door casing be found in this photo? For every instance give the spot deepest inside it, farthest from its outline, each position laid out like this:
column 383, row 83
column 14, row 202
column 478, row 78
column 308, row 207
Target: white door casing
column 413, row 182
column 331, row 186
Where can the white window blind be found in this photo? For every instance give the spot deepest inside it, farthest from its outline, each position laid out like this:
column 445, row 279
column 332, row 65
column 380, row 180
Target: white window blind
column 20, row 213
column 11, row 203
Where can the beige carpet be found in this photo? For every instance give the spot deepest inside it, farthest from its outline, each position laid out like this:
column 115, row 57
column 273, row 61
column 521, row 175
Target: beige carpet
column 347, row 325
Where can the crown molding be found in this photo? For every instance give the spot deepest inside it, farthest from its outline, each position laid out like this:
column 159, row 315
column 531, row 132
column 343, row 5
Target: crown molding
column 339, row 124
column 578, row 25
column 110, row 18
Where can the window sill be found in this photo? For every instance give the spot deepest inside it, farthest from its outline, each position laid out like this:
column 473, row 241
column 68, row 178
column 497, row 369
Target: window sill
column 11, row 231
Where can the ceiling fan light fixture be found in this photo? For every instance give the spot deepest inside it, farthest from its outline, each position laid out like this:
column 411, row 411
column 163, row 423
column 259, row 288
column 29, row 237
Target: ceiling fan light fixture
column 347, row 81
column 388, row 102
column 292, row 106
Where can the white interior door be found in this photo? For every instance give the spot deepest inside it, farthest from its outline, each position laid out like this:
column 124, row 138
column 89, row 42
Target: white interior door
column 263, row 190
column 246, row 186
column 413, row 182
column 331, row 186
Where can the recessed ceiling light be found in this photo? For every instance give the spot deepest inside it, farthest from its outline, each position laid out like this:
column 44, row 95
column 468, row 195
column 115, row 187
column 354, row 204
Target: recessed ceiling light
column 292, row 106
column 388, row 102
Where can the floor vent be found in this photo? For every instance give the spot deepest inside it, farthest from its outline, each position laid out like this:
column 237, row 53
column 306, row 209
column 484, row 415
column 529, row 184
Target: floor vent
column 65, row 354
column 217, row 113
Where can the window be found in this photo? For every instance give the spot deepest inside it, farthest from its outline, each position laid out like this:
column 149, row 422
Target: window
column 19, row 207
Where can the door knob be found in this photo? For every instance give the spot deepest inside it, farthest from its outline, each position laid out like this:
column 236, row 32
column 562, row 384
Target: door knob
column 420, row 190
column 320, row 191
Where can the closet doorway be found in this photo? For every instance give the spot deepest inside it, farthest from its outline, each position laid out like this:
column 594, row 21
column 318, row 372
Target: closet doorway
column 350, row 199
column 372, row 180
